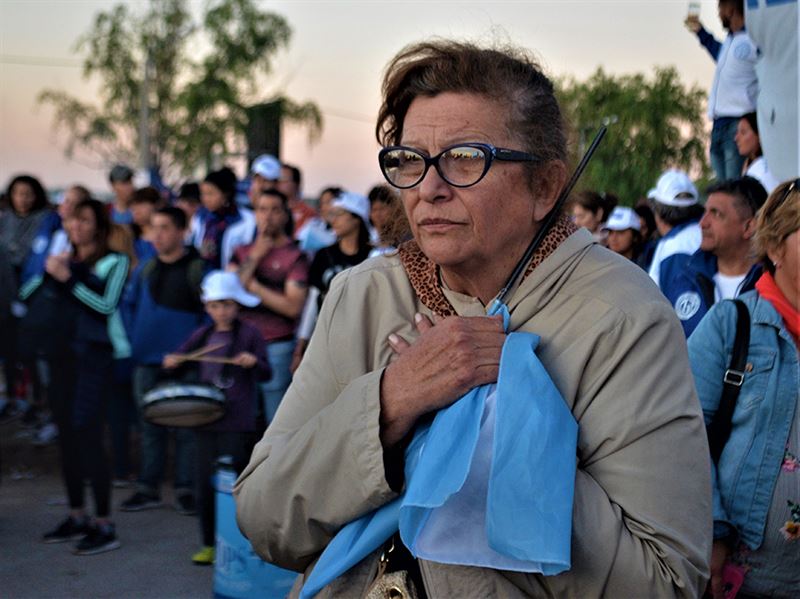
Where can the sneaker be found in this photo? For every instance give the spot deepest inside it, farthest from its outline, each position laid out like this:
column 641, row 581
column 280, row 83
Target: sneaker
column 99, row 539
column 69, row 530
column 140, row 501
column 204, row 557
column 46, row 434
column 122, row 483
column 185, row 504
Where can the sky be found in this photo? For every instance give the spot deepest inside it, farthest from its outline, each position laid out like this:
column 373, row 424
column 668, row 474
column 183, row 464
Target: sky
column 335, row 59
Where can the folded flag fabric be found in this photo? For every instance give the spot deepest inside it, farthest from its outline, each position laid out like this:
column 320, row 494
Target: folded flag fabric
column 521, row 433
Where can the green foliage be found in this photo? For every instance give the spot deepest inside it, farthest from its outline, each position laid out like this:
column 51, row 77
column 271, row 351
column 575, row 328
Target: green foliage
column 653, row 124
column 201, row 77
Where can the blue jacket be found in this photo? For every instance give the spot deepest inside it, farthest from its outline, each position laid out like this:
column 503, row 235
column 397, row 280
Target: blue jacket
column 748, row 468
column 689, row 286
column 40, row 248
column 157, row 328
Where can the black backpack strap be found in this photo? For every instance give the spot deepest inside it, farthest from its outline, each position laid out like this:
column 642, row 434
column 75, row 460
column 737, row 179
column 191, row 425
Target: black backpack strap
column 720, row 428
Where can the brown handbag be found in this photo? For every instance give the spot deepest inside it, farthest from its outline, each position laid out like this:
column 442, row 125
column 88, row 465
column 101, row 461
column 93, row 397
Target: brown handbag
column 390, row 585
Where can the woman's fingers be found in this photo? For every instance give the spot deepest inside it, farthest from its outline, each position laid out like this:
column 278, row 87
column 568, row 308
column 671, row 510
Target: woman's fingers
column 398, row 344
column 423, row 322
column 451, row 356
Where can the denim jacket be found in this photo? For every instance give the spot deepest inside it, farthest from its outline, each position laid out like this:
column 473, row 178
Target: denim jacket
column 744, row 479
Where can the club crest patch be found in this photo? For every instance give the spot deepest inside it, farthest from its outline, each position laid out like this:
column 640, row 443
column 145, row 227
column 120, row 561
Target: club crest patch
column 687, row 305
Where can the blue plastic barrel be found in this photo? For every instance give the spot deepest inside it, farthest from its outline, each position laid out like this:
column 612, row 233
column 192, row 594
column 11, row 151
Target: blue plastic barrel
column 238, row 572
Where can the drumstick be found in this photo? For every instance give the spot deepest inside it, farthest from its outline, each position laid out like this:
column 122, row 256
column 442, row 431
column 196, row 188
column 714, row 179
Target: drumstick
column 200, row 352
column 215, row 359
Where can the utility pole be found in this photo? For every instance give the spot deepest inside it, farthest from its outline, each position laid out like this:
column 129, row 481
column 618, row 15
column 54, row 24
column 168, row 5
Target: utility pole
column 145, row 157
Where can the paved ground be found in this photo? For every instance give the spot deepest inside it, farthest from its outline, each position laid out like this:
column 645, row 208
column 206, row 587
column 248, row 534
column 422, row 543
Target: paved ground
column 153, row 561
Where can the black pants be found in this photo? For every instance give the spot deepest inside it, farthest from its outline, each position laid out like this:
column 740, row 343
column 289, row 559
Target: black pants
column 78, row 398
column 210, row 446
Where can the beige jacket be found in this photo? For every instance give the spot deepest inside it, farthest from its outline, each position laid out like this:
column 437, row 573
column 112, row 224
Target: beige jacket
column 610, row 341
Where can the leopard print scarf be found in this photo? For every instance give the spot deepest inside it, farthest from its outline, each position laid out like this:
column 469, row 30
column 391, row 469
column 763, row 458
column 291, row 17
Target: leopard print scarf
column 423, row 276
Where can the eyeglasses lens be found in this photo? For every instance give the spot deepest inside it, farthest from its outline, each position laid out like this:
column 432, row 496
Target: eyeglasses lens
column 403, row 167
column 462, row 166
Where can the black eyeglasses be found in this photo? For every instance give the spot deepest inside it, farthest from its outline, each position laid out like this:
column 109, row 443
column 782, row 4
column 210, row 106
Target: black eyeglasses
column 795, row 185
column 461, row 165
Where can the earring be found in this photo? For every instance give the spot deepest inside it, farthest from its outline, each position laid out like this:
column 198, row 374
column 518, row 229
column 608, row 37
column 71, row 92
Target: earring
column 777, row 265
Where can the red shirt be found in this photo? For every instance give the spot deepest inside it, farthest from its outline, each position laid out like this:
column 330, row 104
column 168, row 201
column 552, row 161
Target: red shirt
column 281, row 264
column 302, row 213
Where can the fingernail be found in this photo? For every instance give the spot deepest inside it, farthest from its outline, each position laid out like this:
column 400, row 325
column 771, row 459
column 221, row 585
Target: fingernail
column 418, row 318
column 393, row 339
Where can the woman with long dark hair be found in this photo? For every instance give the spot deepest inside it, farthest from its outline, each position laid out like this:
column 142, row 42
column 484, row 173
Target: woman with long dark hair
column 749, row 144
column 25, row 214
column 84, row 336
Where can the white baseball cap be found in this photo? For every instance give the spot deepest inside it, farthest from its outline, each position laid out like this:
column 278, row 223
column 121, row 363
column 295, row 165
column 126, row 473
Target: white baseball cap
column 670, row 186
column 220, row 285
column 623, row 218
column 267, row 166
column 353, row 202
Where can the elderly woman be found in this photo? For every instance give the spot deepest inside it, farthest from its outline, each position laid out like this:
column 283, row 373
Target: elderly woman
column 757, row 482
column 477, row 145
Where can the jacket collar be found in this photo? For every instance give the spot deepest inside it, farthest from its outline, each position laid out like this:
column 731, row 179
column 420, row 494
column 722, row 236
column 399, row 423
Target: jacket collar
column 424, row 277
column 764, row 312
column 705, row 263
column 674, row 231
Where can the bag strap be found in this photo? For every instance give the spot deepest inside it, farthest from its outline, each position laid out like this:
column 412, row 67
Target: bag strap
column 720, row 428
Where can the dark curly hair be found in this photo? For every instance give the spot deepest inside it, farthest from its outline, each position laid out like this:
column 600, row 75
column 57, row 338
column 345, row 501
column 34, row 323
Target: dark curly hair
column 506, row 74
column 39, row 193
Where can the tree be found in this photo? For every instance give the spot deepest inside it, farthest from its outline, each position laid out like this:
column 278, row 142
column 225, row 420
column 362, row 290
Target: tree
column 653, row 124
column 163, row 99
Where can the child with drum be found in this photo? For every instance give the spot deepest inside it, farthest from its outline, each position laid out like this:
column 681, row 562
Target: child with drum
column 231, row 357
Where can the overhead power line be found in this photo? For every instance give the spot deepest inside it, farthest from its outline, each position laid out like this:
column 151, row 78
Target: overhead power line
column 47, row 61
column 40, row 61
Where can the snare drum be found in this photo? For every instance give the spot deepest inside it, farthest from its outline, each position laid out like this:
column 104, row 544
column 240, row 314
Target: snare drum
column 184, row 404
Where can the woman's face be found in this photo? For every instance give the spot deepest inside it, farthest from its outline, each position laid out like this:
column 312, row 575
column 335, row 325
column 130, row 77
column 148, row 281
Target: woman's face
column 787, row 256
column 620, row 242
column 82, row 227
column 212, row 197
column 474, row 231
column 379, row 214
column 747, row 140
column 586, row 218
column 325, row 201
column 644, row 228
column 344, row 223
column 22, row 198
column 71, row 199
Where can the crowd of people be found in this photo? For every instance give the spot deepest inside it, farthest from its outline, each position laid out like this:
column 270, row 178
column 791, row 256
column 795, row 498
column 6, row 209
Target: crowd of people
column 99, row 298
column 349, row 337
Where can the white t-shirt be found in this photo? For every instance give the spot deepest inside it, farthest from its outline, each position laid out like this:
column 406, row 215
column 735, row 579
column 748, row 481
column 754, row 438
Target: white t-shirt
column 735, row 86
column 760, row 171
column 727, row 287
